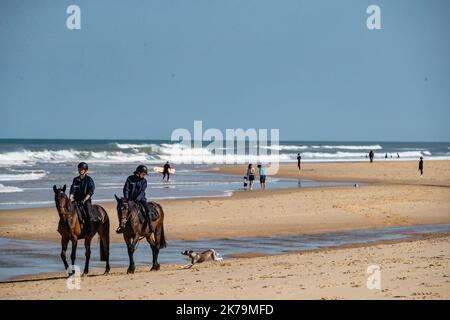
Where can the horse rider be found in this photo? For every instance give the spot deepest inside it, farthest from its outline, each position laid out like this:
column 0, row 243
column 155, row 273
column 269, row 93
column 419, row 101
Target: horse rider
column 134, row 190
column 81, row 192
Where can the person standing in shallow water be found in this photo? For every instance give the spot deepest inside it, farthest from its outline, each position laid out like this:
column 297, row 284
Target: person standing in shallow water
column 299, row 160
column 166, row 169
column 262, row 176
column 421, row 166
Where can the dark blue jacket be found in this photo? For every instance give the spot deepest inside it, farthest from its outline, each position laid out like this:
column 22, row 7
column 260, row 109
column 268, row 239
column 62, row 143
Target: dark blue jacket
column 80, row 188
column 134, row 188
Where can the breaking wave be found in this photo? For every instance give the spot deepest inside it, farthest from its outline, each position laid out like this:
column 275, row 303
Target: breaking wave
column 6, row 189
column 26, row 176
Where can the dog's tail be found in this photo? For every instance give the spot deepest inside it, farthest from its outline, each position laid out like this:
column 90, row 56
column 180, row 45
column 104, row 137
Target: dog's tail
column 216, row 256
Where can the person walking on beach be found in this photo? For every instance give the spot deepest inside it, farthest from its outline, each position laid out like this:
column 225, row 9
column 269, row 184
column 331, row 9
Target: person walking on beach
column 81, row 192
column 262, row 176
column 251, row 176
column 299, row 160
column 421, row 166
column 166, row 169
column 371, row 154
column 134, row 190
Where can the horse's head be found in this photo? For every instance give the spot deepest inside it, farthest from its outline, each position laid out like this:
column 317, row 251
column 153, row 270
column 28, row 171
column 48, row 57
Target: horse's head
column 123, row 209
column 61, row 200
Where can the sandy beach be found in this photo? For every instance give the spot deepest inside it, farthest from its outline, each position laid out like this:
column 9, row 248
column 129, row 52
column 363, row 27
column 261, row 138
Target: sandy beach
column 395, row 195
column 409, row 270
column 393, row 199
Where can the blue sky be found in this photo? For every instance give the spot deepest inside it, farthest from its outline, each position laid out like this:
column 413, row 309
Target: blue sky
column 140, row 69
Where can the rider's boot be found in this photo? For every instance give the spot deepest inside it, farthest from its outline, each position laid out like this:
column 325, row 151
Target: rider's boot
column 149, row 222
column 120, row 228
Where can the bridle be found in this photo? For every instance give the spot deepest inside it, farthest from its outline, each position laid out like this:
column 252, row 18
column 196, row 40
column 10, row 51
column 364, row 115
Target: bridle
column 123, row 206
column 61, row 209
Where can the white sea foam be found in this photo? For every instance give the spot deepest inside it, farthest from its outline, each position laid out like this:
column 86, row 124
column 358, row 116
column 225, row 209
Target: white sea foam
column 178, row 153
column 61, row 156
column 6, row 189
column 134, row 146
column 370, row 147
column 26, row 176
column 286, row 147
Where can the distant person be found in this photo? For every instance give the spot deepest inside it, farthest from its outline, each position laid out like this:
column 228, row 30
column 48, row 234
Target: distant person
column 385, row 156
column 421, row 166
column 166, row 169
column 262, row 176
column 398, row 156
column 251, row 176
column 299, row 161
column 371, row 155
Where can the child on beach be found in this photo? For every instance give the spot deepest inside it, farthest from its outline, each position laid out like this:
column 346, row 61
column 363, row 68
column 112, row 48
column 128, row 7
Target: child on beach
column 251, row 176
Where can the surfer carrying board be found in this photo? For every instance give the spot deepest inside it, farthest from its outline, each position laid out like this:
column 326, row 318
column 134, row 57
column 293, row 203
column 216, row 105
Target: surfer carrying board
column 166, row 170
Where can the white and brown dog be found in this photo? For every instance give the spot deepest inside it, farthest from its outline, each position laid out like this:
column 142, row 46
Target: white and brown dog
column 197, row 257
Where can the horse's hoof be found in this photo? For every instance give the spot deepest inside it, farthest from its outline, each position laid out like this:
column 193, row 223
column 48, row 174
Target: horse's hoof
column 106, row 273
column 130, row 271
column 155, row 268
column 84, row 274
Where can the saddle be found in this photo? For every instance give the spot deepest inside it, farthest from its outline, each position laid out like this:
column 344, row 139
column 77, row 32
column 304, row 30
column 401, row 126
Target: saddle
column 87, row 220
column 154, row 214
column 82, row 215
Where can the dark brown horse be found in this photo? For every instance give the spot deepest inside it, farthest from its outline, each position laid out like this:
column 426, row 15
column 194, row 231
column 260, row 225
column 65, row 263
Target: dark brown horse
column 135, row 230
column 70, row 228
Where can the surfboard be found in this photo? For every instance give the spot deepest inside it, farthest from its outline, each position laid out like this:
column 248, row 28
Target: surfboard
column 161, row 169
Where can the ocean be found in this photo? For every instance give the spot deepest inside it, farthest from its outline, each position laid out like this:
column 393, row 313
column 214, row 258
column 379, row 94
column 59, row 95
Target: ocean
column 30, row 168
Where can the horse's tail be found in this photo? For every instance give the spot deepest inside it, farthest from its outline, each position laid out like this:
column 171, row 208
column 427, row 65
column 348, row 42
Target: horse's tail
column 162, row 238
column 104, row 240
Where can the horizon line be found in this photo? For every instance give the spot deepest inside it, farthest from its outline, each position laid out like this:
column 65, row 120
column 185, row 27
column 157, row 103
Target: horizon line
column 281, row 140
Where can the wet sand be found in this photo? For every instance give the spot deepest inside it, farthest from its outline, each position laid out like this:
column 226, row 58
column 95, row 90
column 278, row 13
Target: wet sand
column 391, row 199
column 436, row 172
column 418, row 269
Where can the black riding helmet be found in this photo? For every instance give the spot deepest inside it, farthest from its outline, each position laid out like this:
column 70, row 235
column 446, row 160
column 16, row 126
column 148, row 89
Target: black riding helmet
column 83, row 165
column 141, row 168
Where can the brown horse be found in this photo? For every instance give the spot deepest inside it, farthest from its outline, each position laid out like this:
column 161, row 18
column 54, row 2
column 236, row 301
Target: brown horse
column 135, row 230
column 71, row 229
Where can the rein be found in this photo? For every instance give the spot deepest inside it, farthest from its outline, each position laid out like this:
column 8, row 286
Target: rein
column 132, row 213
